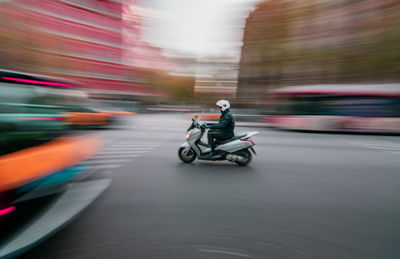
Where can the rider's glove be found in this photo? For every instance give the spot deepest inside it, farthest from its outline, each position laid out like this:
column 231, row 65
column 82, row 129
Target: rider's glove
column 203, row 126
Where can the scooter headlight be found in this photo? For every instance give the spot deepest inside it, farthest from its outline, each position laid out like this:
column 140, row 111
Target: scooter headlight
column 187, row 135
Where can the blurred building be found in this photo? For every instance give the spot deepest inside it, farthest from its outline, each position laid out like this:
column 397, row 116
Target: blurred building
column 181, row 63
column 216, row 76
column 319, row 42
column 137, row 52
column 81, row 40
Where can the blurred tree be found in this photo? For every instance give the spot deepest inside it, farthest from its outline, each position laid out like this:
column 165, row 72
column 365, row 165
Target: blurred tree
column 177, row 88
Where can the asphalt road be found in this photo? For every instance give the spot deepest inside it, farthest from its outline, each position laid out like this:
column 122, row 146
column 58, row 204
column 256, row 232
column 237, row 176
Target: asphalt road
column 305, row 195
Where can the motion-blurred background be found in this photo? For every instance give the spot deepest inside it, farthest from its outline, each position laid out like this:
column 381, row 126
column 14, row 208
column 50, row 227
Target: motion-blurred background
column 70, row 67
column 134, row 54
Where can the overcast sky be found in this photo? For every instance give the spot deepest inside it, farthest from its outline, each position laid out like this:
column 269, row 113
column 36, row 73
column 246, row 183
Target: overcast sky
column 196, row 27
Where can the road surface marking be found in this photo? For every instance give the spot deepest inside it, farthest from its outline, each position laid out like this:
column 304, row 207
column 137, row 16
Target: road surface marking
column 131, row 144
column 224, row 252
column 111, row 166
column 129, row 148
column 105, row 156
column 105, row 161
column 377, row 145
column 124, row 151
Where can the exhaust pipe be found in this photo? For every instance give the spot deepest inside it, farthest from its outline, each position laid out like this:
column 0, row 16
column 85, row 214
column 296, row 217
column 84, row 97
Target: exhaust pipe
column 235, row 158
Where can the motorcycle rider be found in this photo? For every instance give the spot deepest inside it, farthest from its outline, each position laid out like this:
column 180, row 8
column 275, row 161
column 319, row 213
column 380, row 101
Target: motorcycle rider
column 222, row 130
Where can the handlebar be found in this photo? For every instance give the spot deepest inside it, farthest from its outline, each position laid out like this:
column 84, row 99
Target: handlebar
column 196, row 124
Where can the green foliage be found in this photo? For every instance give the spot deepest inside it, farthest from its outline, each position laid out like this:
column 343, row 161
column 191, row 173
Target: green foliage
column 177, row 88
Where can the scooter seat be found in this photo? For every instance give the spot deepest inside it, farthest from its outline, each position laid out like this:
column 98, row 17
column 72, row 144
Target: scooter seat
column 231, row 139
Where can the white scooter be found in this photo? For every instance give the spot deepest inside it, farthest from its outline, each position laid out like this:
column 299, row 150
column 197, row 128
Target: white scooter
column 235, row 149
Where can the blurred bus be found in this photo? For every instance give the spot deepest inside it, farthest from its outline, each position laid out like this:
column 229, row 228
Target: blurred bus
column 349, row 108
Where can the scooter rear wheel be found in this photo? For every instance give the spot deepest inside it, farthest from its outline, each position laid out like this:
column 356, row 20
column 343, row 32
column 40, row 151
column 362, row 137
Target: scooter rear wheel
column 248, row 157
column 187, row 157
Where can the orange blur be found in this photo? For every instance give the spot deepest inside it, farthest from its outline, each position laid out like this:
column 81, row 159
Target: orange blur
column 118, row 112
column 87, row 118
column 208, row 116
column 22, row 167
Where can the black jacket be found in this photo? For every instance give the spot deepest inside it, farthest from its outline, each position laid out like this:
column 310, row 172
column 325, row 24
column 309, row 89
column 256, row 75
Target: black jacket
column 226, row 124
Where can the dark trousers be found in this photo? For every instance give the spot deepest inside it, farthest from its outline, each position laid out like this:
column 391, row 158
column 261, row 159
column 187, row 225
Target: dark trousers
column 215, row 137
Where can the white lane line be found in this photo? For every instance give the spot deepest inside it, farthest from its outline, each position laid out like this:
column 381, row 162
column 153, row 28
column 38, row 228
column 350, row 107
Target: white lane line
column 132, row 141
column 105, row 161
column 117, row 156
column 384, row 146
column 128, row 149
column 133, row 145
column 376, row 145
column 119, row 141
column 380, row 146
column 223, row 252
column 106, row 152
column 126, row 143
column 104, row 166
column 125, row 151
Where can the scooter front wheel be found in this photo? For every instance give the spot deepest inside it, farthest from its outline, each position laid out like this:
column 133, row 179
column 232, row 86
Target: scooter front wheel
column 187, row 156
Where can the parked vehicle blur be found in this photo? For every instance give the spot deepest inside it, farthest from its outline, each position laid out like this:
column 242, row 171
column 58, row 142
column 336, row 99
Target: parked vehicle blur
column 25, row 117
column 87, row 116
column 113, row 111
column 352, row 108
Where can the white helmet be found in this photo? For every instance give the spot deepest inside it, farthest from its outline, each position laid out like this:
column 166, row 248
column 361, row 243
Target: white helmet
column 224, row 104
